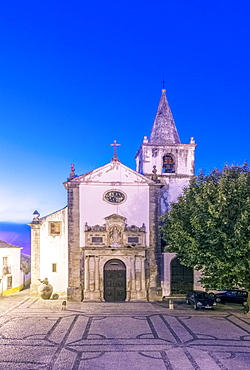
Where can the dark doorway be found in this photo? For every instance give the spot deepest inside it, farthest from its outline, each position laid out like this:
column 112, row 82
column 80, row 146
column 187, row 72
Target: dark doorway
column 114, row 281
column 182, row 278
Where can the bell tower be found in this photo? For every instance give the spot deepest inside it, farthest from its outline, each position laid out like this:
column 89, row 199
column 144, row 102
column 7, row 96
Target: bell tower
column 170, row 165
column 162, row 154
column 163, row 149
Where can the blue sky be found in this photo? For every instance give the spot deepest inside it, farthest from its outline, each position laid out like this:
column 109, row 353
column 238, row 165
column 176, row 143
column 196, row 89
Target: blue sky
column 76, row 75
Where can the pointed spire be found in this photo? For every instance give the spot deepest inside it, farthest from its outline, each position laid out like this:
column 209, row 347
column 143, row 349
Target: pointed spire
column 164, row 130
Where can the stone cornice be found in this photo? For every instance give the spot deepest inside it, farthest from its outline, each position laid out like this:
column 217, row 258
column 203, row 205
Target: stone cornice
column 110, row 248
column 71, row 184
column 164, row 147
column 152, row 145
column 35, row 224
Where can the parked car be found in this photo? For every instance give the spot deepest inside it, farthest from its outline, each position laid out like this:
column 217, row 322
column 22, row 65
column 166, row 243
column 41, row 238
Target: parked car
column 230, row 295
column 200, row 299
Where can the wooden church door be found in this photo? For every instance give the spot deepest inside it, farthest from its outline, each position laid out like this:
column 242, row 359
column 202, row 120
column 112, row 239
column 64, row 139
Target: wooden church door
column 114, row 281
column 182, row 278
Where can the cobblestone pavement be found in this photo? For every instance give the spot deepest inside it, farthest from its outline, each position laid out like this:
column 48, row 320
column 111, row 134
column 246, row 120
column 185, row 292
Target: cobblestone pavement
column 37, row 334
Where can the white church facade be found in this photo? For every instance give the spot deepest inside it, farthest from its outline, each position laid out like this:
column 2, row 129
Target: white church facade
column 105, row 245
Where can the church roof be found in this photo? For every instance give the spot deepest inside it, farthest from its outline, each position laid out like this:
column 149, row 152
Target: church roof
column 53, row 213
column 3, row 244
column 164, row 130
column 114, row 172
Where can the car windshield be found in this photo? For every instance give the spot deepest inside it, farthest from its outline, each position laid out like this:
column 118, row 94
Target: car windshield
column 203, row 295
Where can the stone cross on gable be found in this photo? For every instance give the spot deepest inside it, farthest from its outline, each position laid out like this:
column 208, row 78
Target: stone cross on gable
column 115, row 158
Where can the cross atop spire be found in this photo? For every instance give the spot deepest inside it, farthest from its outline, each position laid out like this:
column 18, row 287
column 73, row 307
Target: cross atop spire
column 115, row 157
column 164, row 130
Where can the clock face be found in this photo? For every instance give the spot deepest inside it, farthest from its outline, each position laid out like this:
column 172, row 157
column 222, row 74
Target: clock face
column 114, row 196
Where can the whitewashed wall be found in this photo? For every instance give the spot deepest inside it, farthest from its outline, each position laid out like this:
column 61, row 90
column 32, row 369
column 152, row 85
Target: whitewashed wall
column 183, row 155
column 171, row 191
column 13, row 255
column 54, row 249
column 94, row 209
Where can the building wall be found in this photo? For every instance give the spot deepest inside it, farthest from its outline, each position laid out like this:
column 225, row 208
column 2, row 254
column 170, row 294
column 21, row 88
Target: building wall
column 149, row 162
column 93, row 209
column 13, row 255
column 173, row 188
column 54, row 250
column 166, row 275
column 152, row 155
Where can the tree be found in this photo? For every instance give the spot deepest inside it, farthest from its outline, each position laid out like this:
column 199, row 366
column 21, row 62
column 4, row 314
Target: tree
column 209, row 227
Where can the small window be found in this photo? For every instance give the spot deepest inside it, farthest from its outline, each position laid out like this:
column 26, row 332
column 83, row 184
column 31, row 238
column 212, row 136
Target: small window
column 97, row 239
column 168, row 165
column 55, row 228
column 5, row 261
column 9, row 282
column 133, row 239
column 54, row 267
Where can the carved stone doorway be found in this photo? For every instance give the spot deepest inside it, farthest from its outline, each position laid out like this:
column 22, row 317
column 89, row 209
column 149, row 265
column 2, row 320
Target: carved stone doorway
column 182, row 278
column 114, row 281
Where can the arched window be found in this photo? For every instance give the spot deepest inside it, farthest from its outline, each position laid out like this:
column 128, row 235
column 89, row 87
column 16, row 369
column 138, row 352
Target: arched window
column 168, row 165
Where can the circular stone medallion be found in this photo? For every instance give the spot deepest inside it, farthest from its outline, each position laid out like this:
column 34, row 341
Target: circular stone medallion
column 114, row 196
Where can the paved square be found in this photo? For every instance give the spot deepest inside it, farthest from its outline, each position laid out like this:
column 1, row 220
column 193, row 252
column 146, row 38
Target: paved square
column 119, row 336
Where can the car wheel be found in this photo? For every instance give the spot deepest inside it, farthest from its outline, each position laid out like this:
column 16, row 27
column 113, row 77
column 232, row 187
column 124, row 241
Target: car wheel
column 218, row 300
column 195, row 306
column 211, row 295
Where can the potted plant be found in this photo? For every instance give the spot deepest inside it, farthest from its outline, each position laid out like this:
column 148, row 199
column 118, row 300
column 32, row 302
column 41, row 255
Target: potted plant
column 45, row 290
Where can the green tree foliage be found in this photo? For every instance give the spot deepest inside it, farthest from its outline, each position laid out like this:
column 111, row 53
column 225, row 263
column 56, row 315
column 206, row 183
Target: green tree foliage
column 209, row 227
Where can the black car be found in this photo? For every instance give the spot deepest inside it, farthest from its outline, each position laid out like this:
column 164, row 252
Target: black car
column 200, row 299
column 230, row 295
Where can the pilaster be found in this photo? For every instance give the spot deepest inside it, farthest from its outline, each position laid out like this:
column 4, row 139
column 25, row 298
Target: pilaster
column 35, row 257
column 154, row 252
column 74, row 256
column 92, row 278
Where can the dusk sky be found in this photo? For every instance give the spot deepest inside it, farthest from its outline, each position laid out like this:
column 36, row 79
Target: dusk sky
column 77, row 75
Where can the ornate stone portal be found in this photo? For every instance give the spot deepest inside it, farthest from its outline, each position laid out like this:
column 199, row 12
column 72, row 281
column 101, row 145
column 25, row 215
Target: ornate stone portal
column 114, row 261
